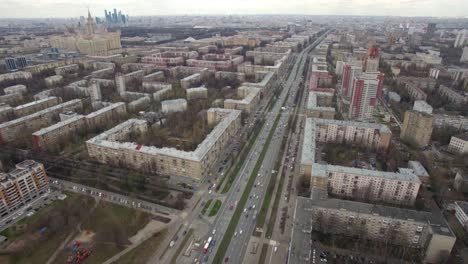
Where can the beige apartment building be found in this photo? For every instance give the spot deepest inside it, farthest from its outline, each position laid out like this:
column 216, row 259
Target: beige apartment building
column 35, row 106
column 367, row 185
column 250, row 98
column 48, row 138
column 20, row 127
column 25, row 183
column 417, row 128
column 318, row 105
column 110, row 147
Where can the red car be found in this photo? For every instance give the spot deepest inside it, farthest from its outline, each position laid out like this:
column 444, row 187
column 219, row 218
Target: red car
column 226, row 259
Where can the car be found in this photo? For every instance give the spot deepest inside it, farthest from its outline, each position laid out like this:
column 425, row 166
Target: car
column 235, row 234
column 240, row 232
column 231, row 207
column 226, row 259
column 214, row 231
column 245, row 210
column 253, row 207
column 323, row 259
column 275, row 249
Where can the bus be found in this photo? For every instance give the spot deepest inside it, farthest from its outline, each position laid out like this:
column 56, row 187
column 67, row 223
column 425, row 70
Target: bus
column 207, row 245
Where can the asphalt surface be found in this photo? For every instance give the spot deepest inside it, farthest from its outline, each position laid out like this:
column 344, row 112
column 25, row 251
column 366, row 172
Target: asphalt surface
column 246, row 223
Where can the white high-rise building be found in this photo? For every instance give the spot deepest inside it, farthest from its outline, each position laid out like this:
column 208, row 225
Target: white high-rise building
column 460, row 39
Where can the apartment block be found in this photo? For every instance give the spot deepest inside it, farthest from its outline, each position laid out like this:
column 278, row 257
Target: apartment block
column 373, row 136
column 20, row 127
column 22, row 185
column 417, row 128
column 459, row 144
column 217, row 62
column 111, row 113
column 318, row 105
column 416, row 229
column 110, row 148
column 35, row 106
column 48, row 138
column 367, row 185
column 250, row 98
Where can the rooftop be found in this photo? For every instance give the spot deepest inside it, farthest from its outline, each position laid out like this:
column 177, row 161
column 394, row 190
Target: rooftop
column 196, row 155
column 322, row 170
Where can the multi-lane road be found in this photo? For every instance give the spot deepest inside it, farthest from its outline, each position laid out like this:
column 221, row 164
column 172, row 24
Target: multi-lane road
column 246, row 223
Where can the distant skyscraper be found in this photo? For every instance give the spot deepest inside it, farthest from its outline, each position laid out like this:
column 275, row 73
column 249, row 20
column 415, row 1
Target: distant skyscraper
column 367, row 88
column 431, row 28
column 461, row 38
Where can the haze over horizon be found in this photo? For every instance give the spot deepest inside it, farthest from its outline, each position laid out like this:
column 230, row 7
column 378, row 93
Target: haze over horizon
column 69, row 8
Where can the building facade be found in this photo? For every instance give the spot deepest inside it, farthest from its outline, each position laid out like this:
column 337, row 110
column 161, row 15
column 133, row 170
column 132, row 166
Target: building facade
column 459, row 144
column 193, row 165
column 367, row 89
column 25, row 183
column 417, row 128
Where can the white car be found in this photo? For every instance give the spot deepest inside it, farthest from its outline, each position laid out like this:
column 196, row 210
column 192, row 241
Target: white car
column 214, row 231
column 240, row 232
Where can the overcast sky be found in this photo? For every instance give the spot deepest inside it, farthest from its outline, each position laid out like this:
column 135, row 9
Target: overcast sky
column 75, row 8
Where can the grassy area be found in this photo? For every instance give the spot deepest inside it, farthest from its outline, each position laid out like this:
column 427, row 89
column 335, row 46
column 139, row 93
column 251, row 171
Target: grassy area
column 58, row 219
column 215, row 208
column 263, row 254
column 143, row 252
column 207, row 205
column 245, row 195
column 182, row 246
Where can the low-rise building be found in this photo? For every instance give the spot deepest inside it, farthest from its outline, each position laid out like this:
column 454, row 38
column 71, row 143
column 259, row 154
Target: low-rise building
column 15, row 76
column 27, row 182
column 417, row 128
column 67, row 69
column 35, row 106
column 173, row 106
column 21, row 127
column 50, row 137
column 16, row 89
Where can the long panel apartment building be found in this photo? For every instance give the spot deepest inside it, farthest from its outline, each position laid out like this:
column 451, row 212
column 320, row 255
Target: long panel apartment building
column 22, row 185
column 415, row 229
column 20, row 127
column 110, row 147
column 367, row 185
column 35, row 106
column 49, row 138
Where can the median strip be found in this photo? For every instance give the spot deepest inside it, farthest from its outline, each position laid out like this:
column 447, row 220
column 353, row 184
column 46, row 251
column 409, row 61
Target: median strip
column 243, row 200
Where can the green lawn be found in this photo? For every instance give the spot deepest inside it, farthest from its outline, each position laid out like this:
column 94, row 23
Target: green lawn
column 205, row 208
column 143, row 252
column 215, row 208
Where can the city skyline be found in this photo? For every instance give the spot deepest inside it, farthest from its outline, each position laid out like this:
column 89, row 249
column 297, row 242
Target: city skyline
column 68, row 8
